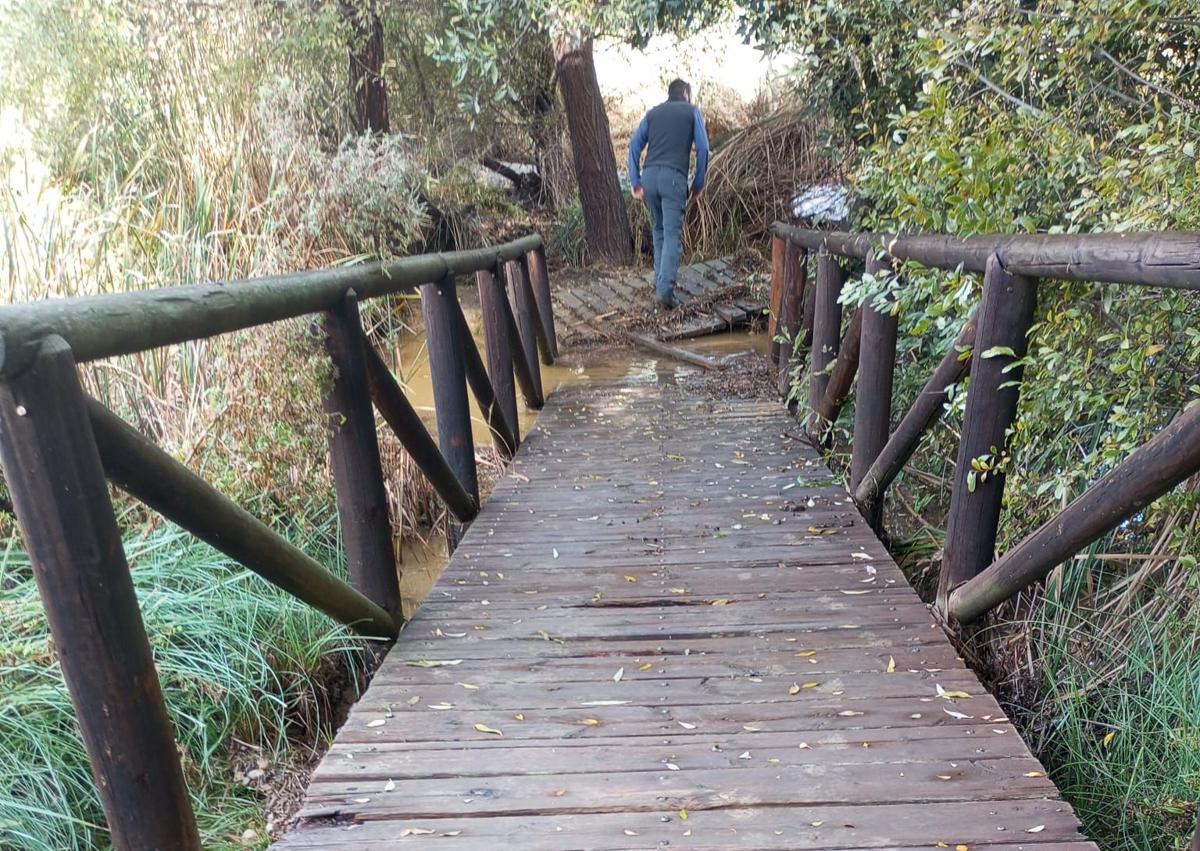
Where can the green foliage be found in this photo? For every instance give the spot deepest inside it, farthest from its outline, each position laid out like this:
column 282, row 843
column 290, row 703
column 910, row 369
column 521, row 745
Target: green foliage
column 480, row 37
column 239, row 661
column 1059, row 116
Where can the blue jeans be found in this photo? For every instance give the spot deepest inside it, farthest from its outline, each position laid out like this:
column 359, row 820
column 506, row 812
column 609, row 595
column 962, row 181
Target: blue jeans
column 666, row 196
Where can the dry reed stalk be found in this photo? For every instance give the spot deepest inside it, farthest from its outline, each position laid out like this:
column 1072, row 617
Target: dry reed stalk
column 754, row 175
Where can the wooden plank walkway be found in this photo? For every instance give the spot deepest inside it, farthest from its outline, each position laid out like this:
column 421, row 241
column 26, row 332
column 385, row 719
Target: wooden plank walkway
column 715, row 298
column 669, row 628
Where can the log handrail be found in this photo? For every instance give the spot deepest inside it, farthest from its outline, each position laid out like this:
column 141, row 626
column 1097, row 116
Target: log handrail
column 989, row 347
column 59, row 449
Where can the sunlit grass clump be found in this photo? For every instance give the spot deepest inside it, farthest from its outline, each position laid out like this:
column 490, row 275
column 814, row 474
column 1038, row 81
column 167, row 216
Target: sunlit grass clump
column 245, row 669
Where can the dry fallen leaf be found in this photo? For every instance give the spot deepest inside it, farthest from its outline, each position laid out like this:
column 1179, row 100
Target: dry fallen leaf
column 618, row 675
column 1038, row 829
column 589, row 722
column 389, row 786
column 378, row 722
column 1108, row 738
column 683, row 815
column 795, row 689
column 484, row 728
column 891, row 666
column 951, row 695
column 646, row 667
column 685, row 725
column 468, row 686
column 416, row 831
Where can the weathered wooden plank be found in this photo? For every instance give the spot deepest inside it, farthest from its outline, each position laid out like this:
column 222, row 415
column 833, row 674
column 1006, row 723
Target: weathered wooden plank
column 1003, row 826
column 644, row 620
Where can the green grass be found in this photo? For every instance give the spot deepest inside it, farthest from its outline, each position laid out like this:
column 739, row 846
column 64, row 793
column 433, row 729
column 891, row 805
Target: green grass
column 1117, row 722
column 238, row 661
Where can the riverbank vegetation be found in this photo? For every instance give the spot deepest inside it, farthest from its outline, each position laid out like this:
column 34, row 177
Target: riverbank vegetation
column 1054, row 117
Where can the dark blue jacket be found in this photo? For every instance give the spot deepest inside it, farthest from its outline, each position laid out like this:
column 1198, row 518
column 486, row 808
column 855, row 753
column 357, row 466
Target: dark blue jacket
column 670, row 129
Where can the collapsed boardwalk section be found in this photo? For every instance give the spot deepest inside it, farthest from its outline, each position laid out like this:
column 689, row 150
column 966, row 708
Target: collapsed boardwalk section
column 669, row 627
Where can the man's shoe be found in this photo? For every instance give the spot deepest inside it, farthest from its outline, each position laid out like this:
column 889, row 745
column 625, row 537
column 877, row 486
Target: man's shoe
column 668, row 302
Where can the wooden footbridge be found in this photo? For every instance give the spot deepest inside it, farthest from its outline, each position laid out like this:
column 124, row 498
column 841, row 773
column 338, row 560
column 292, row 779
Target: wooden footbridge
column 669, row 627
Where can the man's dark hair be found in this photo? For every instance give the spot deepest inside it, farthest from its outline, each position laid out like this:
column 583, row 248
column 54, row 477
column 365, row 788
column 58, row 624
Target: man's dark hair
column 678, row 88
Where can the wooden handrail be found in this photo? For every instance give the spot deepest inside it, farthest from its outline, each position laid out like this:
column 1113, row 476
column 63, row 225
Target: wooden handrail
column 925, row 411
column 58, row 446
column 406, row 424
column 995, row 338
column 123, row 323
column 1151, row 471
column 133, row 463
column 1160, row 259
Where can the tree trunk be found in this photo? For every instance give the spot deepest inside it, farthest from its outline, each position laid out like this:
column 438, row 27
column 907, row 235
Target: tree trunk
column 367, row 87
column 605, row 219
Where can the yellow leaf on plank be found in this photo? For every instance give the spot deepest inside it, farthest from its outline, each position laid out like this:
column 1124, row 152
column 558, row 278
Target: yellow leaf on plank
column 484, row 728
column 891, row 666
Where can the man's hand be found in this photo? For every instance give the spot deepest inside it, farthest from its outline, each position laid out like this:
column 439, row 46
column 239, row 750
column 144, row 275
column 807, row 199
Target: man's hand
column 639, row 192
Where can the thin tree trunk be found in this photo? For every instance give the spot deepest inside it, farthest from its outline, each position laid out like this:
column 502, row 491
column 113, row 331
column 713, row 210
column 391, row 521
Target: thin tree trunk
column 605, row 219
column 367, row 87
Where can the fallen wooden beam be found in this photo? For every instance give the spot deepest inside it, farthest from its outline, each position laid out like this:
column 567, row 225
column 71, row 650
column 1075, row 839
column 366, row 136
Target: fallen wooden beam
column 671, row 351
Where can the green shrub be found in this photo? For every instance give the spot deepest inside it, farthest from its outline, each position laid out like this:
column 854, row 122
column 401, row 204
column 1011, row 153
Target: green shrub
column 239, row 661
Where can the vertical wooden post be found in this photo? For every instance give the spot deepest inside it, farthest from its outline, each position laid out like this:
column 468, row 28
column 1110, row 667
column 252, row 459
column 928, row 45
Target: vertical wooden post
column 778, row 253
column 795, row 282
column 58, row 489
column 539, row 278
column 827, row 331
column 481, row 386
column 448, row 371
column 873, row 399
column 1005, row 315
column 498, row 347
column 354, row 458
column 521, row 297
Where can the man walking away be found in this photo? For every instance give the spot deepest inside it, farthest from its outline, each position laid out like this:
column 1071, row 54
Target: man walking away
column 669, row 130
